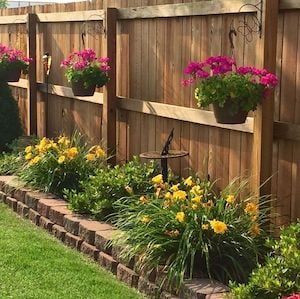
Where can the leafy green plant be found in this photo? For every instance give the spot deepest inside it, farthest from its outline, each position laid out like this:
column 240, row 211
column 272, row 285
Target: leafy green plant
column 10, row 163
column 220, row 81
column 85, row 66
column 55, row 165
column 10, row 123
column 193, row 231
column 280, row 275
column 110, row 184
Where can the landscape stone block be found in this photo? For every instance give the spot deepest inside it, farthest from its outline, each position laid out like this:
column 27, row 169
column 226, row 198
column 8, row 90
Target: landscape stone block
column 127, row 276
column 89, row 250
column 57, row 213
column 34, row 216
column 88, row 228
column 46, row 223
column 107, row 262
column 22, row 209
column 44, row 205
column 73, row 241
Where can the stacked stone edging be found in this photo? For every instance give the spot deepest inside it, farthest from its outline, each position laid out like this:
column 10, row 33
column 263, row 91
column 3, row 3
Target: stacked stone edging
column 93, row 239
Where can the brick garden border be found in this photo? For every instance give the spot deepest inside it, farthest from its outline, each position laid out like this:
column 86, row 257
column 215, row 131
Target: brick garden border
column 91, row 238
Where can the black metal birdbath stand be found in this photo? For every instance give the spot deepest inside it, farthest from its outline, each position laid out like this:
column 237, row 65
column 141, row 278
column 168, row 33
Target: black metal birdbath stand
column 164, row 155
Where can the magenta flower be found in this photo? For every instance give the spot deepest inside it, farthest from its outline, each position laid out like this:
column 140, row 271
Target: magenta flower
column 11, row 55
column 294, row 296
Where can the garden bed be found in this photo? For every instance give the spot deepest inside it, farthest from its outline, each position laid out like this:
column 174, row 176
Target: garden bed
column 92, row 238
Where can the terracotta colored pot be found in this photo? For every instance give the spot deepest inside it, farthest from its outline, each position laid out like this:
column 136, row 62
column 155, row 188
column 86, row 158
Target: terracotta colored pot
column 79, row 89
column 225, row 115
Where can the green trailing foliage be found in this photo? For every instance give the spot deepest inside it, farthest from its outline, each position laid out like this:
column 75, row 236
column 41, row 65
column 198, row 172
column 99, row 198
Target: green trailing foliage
column 280, row 275
column 109, row 184
column 10, row 123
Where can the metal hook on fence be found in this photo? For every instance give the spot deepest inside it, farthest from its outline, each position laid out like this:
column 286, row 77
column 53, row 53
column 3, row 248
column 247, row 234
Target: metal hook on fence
column 232, row 32
column 83, row 34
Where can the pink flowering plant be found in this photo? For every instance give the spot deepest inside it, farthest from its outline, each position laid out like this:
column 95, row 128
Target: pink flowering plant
column 219, row 80
column 13, row 58
column 85, row 66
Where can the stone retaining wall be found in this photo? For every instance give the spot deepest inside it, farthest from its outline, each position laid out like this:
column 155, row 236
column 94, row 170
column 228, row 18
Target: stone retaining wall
column 92, row 238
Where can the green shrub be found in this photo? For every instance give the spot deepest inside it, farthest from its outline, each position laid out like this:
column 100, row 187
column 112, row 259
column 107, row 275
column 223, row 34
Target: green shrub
column 110, row 184
column 10, row 163
column 10, row 124
column 193, row 231
column 53, row 166
column 280, row 275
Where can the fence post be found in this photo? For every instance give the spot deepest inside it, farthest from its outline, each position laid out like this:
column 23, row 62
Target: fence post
column 109, row 99
column 264, row 116
column 32, row 85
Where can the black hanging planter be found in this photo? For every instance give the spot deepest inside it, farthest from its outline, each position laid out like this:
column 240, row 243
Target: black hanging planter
column 226, row 114
column 10, row 74
column 79, row 89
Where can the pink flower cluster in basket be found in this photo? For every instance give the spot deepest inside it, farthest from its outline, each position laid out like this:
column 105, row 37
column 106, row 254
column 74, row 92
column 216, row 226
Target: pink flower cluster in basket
column 11, row 55
column 221, row 65
column 81, row 60
column 294, row 296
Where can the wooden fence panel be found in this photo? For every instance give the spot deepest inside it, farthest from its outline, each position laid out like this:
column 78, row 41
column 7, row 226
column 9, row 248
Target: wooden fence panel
column 151, row 55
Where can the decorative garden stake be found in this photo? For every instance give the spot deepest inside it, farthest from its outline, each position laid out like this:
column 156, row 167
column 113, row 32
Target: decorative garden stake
column 85, row 71
column 233, row 91
column 165, row 154
column 12, row 63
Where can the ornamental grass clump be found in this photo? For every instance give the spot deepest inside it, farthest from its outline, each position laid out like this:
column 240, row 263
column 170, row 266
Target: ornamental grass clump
column 12, row 58
column 86, row 67
column 53, row 165
column 218, row 80
column 193, row 231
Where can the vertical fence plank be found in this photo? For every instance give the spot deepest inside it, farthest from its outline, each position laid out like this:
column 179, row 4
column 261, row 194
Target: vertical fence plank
column 263, row 123
column 109, row 100
column 32, row 86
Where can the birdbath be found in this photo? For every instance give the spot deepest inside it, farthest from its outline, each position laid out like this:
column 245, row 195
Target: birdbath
column 164, row 155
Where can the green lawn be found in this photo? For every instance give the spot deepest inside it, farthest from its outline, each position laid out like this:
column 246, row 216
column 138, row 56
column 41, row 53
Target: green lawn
column 34, row 264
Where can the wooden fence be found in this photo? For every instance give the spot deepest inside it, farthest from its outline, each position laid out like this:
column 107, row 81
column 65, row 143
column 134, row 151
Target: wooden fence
column 150, row 42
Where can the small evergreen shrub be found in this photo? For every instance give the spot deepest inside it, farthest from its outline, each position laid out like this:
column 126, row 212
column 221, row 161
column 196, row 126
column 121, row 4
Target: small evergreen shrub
column 280, row 275
column 110, row 184
column 10, row 124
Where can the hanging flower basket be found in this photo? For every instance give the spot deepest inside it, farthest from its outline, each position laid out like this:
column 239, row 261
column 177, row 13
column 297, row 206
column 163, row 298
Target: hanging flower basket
column 12, row 63
column 227, row 115
column 233, row 91
column 85, row 71
column 79, row 89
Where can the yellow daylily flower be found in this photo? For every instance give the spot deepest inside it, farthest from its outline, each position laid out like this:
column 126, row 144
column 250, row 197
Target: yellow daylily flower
column 180, row 216
column 175, row 188
column 28, row 156
column 28, row 149
column 179, row 195
column 251, row 208
column 145, row 219
column 90, row 157
column 72, row 152
column 61, row 159
column 230, row 198
column 219, row 227
column 158, row 179
column 189, row 181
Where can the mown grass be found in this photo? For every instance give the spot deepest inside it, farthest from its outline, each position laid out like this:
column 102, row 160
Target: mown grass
column 34, row 264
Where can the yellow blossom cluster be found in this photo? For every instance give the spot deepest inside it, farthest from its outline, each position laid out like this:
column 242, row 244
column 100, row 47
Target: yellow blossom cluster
column 62, row 149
